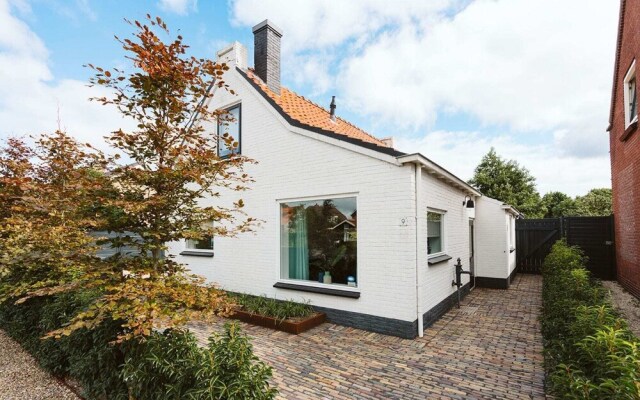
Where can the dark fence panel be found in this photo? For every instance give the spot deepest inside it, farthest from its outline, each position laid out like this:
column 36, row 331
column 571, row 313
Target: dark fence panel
column 594, row 235
column 534, row 238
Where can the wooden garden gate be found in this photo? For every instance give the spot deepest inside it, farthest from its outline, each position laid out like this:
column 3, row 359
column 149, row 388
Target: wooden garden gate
column 594, row 235
column 534, row 238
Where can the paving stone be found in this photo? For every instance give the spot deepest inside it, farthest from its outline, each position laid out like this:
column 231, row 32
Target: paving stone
column 490, row 348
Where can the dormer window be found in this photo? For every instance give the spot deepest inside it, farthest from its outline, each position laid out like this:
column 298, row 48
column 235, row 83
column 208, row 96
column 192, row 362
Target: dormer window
column 630, row 96
column 229, row 132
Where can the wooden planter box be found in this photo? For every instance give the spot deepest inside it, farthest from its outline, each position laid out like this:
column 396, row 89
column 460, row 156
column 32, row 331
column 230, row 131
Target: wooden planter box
column 291, row 326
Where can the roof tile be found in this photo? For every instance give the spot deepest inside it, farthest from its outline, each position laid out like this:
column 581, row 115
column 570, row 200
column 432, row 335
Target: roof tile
column 307, row 112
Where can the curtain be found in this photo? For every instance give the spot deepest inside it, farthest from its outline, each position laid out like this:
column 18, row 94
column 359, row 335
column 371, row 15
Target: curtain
column 298, row 247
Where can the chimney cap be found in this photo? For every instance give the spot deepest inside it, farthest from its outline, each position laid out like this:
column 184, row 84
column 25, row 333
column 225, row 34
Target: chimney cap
column 268, row 24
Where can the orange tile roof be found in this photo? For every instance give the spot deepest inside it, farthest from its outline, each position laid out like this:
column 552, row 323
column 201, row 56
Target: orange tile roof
column 309, row 113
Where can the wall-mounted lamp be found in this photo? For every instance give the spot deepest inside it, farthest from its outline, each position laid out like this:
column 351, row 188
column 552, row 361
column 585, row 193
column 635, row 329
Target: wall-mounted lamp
column 469, row 203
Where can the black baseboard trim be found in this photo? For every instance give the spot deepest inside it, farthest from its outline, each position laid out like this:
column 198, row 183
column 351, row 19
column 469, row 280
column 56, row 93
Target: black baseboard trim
column 392, row 326
column 512, row 276
column 495, row 283
column 440, row 309
column 492, row 283
column 371, row 323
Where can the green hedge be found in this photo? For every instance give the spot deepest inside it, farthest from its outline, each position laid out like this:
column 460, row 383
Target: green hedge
column 589, row 351
column 168, row 365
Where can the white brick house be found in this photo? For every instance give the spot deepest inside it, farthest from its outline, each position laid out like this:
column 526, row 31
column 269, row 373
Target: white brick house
column 388, row 226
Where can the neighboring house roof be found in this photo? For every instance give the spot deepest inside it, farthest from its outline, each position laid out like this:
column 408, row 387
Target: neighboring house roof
column 303, row 113
column 616, row 68
column 346, row 221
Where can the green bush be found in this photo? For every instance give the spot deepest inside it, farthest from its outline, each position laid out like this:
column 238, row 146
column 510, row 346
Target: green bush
column 589, row 351
column 170, row 365
column 167, row 365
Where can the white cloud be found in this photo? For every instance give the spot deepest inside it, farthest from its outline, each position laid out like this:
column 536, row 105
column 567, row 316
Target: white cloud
column 513, row 62
column 539, row 70
column 460, row 152
column 180, row 7
column 30, row 98
column 314, row 24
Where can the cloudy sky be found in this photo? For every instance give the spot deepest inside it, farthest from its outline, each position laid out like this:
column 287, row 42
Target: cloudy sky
column 447, row 78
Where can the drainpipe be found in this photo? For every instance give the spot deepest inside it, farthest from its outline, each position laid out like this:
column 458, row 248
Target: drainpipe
column 418, row 196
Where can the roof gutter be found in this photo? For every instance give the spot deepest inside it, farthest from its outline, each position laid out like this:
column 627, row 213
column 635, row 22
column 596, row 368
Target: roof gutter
column 513, row 211
column 439, row 172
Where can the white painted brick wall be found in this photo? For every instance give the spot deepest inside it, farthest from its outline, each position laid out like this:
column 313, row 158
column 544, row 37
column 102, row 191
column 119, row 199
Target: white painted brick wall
column 437, row 278
column 293, row 166
column 492, row 251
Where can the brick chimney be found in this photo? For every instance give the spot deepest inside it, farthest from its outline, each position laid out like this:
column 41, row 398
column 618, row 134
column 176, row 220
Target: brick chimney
column 266, row 53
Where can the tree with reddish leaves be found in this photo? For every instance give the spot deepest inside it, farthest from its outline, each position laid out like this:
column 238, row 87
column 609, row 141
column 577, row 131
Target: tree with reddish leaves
column 151, row 200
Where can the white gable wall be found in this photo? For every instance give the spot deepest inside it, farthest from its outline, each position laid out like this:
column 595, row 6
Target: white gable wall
column 493, row 259
column 293, row 166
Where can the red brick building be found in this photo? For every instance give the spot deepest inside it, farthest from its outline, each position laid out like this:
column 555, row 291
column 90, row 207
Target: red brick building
column 624, row 139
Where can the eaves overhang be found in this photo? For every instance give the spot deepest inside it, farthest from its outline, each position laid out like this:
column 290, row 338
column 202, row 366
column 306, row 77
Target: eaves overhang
column 439, row 172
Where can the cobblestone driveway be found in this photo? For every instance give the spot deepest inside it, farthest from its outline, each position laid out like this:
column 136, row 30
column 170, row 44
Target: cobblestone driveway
column 490, row 348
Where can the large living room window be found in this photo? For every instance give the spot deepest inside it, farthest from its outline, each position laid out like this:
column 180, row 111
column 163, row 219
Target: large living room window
column 319, row 240
column 630, row 96
column 229, row 132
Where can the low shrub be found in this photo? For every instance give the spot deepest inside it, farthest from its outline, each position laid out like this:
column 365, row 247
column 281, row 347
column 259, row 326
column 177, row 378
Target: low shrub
column 167, row 365
column 170, row 365
column 589, row 351
column 268, row 307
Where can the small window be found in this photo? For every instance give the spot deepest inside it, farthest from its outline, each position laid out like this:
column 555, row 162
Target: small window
column 633, row 102
column 229, row 133
column 630, row 96
column 435, row 232
column 206, row 243
column 201, row 244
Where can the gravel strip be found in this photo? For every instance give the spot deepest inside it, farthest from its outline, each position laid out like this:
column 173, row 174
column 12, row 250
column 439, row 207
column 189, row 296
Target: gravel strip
column 626, row 303
column 21, row 378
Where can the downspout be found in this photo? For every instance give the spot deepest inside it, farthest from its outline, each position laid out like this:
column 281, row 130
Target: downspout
column 418, row 197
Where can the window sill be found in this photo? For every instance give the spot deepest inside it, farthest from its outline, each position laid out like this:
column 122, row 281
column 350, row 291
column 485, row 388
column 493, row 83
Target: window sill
column 629, row 130
column 437, row 259
column 197, row 253
column 317, row 289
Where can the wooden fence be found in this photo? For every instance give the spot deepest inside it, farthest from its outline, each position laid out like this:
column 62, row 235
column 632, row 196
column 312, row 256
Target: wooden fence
column 594, row 235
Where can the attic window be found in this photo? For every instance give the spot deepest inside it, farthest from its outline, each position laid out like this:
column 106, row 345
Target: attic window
column 630, row 96
column 229, row 132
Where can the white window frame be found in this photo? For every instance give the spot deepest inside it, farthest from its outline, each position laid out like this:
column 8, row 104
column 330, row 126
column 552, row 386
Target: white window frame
column 228, row 108
column 631, row 74
column 278, row 263
column 443, row 231
column 208, row 251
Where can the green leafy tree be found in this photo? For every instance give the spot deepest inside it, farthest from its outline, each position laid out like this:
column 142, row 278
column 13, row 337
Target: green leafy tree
column 597, row 202
column 507, row 181
column 558, row 204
